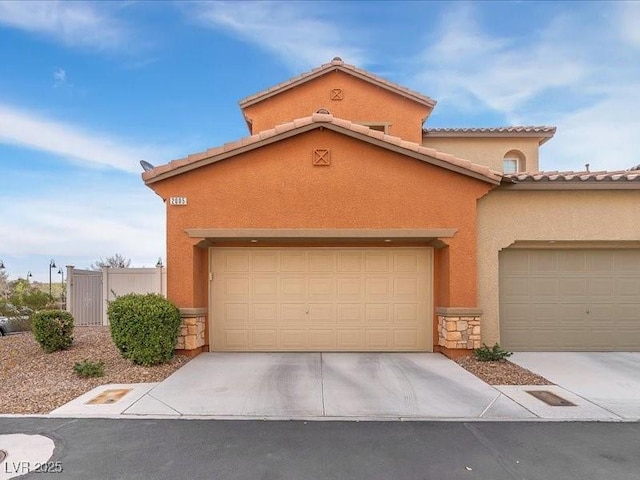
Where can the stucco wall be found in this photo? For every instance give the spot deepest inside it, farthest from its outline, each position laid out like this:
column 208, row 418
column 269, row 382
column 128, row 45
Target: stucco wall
column 508, row 216
column 364, row 187
column 361, row 102
column 487, row 151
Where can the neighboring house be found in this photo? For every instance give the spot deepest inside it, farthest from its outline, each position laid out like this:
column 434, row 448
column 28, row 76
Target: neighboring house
column 340, row 224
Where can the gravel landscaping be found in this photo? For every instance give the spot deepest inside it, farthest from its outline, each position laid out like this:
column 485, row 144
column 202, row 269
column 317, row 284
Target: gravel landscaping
column 501, row 373
column 36, row 382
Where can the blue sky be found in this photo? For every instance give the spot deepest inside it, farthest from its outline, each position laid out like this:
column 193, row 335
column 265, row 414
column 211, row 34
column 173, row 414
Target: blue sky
column 89, row 89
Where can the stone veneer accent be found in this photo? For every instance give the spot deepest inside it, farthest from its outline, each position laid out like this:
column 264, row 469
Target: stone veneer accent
column 459, row 328
column 191, row 335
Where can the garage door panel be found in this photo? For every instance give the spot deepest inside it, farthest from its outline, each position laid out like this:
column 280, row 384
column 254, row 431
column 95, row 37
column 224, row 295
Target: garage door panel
column 236, row 312
column 601, row 287
column 349, row 287
column 405, row 338
column 296, row 299
column 377, row 312
column 349, row 261
column 405, row 287
column 293, row 312
column 350, row 339
column 582, row 299
column 322, row 287
column 291, row 261
column 350, row 314
column 265, row 262
column 236, row 287
column 322, row 312
column 378, row 288
column 322, row 262
column 264, row 312
column 377, row 262
column 322, row 339
column 293, row 287
column 264, row 339
column 264, row 287
column 236, row 262
column 628, row 287
column 405, row 313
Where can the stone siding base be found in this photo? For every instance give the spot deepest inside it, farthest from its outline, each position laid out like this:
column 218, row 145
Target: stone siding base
column 459, row 330
column 192, row 329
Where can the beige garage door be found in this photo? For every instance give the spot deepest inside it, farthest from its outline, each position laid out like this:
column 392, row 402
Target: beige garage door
column 321, row 299
column 570, row 299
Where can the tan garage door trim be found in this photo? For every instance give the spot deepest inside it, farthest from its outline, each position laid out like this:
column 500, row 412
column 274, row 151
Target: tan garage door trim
column 424, row 288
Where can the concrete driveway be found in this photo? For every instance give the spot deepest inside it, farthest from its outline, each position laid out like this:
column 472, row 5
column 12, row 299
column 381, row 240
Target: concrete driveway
column 335, row 385
column 610, row 380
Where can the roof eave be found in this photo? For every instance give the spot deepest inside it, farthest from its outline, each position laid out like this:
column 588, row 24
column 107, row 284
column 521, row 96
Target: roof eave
column 542, row 137
column 571, row 185
column 253, row 99
column 150, row 178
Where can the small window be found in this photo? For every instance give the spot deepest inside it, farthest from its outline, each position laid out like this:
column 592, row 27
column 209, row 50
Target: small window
column 510, row 165
column 380, row 128
column 514, row 161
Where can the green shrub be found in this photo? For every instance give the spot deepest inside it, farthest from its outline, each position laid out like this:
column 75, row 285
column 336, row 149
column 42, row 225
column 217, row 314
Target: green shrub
column 89, row 369
column 53, row 329
column 491, row 354
column 144, row 327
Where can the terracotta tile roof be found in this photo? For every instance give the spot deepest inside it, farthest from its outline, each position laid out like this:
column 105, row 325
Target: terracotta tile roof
column 326, row 120
column 543, row 132
column 337, row 64
column 571, row 176
column 511, row 129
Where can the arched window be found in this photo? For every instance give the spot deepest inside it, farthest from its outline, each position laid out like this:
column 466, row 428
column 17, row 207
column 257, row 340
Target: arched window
column 513, row 162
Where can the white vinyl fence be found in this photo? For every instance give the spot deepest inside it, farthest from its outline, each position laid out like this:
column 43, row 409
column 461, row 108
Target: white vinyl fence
column 89, row 291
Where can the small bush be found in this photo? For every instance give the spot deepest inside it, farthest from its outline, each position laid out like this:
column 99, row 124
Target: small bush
column 144, row 327
column 491, row 354
column 53, row 329
column 89, row 369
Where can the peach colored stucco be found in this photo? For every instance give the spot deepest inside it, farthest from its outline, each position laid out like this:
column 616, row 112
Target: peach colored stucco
column 361, row 102
column 365, row 186
column 504, row 217
column 488, row 151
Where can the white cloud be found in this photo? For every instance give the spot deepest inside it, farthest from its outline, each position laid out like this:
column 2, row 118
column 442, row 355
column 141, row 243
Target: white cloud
column 59, row 77
column 24, row 128
column 287, row 29
column 79, row 223
column 72, row 23
column 472, row 68
column 629, row 20
column 565, row 72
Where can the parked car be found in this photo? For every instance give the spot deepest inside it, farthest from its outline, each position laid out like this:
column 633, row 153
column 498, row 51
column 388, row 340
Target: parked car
column 4, row 326
column 14, row 324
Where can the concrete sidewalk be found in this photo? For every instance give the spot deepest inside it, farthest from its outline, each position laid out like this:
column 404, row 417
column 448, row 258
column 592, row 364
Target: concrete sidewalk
column 610, row 380
column 324, row 386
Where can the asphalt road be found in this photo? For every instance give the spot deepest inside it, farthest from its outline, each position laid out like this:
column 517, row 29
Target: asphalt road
column 245, row 450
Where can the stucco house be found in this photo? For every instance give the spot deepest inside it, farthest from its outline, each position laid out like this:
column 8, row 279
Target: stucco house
column 341, row 223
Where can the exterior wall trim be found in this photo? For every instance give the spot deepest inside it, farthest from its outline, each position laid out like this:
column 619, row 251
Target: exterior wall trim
column 324, row 234
column 458, row 312
column 192, row 312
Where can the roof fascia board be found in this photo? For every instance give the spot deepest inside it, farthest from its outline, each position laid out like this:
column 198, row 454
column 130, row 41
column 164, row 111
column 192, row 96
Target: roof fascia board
column 572, row 185
column 290, row 133
column 311, row 76
column 542, row 137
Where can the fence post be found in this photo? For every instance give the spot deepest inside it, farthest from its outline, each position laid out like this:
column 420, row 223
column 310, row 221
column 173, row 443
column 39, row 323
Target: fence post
column 105, row 295
column 70, row 290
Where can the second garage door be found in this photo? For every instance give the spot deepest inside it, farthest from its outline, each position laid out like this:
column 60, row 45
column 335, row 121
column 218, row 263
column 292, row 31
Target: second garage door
column 583, row 299
column 321, row 299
